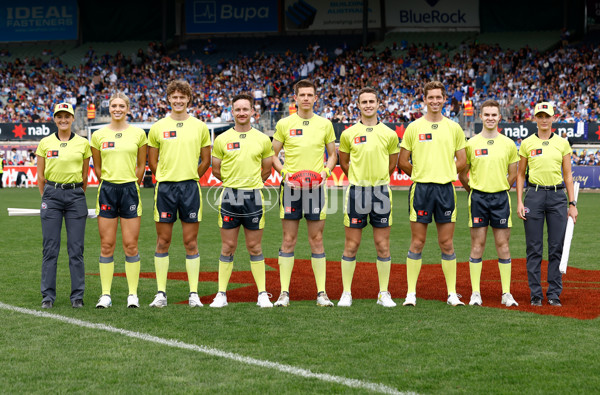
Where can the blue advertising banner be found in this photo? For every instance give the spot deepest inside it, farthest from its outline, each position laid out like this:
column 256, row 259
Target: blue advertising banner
column 38, row 20
column 231, row 16
column 587, row 176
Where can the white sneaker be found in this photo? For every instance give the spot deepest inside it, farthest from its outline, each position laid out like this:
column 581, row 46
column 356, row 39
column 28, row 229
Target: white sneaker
column 323, row 300
column 283, row 300
column 508, row 300
column 411, row 299
column 264, row 300
column 133, row 302
column 160, row 300
column 194, row 300
column 220, row 300
column 104, row 302
column 476, row 299
column 454, row 300
column 385, row 299
column 345, row 300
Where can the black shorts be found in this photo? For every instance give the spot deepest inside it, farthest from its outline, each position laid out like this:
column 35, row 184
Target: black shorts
column 489, row 209
column 241, row 207
column 373, row 202
column 118, row 200
column 183, row 197
column 429, row 200
column 296, row 202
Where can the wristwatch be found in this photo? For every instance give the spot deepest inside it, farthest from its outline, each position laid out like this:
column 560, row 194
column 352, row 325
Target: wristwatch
column 573, row 203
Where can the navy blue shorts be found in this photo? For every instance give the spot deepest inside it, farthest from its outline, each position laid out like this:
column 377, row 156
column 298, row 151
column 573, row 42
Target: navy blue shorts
column 118, row 200
column 429, row 200
column 296, row 202
column 373, row 202
column 182, row 197
column 489, row 209
column 241, row 207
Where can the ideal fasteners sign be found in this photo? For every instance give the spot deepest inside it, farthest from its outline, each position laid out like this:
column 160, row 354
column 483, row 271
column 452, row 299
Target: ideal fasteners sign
column 38, row 20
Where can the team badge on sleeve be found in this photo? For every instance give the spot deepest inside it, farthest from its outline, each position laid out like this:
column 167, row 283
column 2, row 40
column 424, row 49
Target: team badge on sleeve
column 233, row 146
column 170, row 134
column 360, row 139
column 425, row 137
column 295, row 132
column 536, row 152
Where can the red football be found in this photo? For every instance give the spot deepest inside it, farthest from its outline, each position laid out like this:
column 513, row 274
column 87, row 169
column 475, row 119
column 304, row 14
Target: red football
column 305, row 178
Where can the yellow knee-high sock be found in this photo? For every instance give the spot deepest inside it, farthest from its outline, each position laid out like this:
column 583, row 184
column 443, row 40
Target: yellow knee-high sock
column 320, row 270
column 225, row 270
column 107, row 269
column 257, row 266
column 449, row 269
column 286, row 264
column 192, row 267
column 132, row 271
column 505, row 266
column 348, row 266
column 161, row 265
column 475, row 266
column 384, row 267
column 413, row 267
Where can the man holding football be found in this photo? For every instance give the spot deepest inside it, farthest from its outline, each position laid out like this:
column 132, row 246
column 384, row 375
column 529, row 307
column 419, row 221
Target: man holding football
column 368, row 156
column 304, row 136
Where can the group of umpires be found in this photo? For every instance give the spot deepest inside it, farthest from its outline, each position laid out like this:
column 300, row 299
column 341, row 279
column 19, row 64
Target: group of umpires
column 432, row 152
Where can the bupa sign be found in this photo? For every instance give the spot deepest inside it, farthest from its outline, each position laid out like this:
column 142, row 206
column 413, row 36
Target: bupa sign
column 230, row 16
column 38, row 20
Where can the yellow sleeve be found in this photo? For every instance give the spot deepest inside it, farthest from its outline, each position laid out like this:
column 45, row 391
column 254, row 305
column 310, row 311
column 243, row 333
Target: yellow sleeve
column 460, row 138
column 393, row 144
column 217, row 150
column 267, row 148
column 153, row 140
column 95, row 143
column 345, row 142
column 279, row 134
column 205, row 136
column 329, row 133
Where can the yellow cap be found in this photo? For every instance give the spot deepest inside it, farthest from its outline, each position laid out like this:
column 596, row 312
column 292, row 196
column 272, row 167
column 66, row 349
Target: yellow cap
column 544, row 107
column 64, row 107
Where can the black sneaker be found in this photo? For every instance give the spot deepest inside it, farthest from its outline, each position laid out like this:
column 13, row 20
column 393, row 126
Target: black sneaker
column 536, row 301
column 77, row 303
column 47, row 304
column 554, row 302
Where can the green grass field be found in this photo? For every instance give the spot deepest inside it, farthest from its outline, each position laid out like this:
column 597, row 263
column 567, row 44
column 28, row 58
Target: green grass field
column 432, row 348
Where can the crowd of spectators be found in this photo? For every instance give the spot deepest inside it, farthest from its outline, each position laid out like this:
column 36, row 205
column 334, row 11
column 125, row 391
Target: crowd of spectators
column 566, row 76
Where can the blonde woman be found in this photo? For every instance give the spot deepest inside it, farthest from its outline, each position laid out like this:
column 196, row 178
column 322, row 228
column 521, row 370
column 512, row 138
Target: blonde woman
column 119, row 152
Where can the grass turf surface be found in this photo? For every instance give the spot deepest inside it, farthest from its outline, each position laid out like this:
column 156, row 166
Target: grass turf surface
column 432, row 348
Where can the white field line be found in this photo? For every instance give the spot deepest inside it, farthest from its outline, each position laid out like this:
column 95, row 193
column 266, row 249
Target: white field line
column 351, row 383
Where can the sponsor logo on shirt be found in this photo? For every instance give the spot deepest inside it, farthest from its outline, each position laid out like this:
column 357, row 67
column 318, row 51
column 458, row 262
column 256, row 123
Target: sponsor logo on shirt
column 360, row 139
column 481, row 152
column 172, row 134
column 305, row 123
column 52, row 154
column 434, row 126
column 544, row 143
column 63, row 145
column 233, row 146
column 425, row 137
column 108, row 145
column 369, row 129
column 295, row 132
column 179, row 124
column 490, row 142
column 164, row 214
column 118, row 135
column 536, row 152
column 243, row 135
